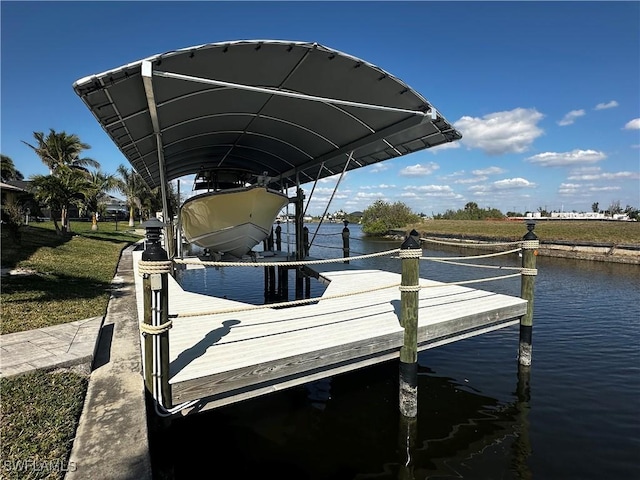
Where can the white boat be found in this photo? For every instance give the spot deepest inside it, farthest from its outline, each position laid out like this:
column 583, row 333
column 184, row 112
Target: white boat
column 229, row 218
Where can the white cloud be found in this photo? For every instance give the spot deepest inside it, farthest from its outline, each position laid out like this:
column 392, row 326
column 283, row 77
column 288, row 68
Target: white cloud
column 455, row 174
column 563, row 159
column 419, row 170
column 505, row 184
column 605, row 176
column 323, row 190
column 489, row 171
column 429, row 191
column 633, row 124
column 367, row 195
column 570, row 117
column 585, row 170
column 501, row 132
column 604, row 106
column 444, row 146
column 472, row 180
column 378, row 167
column 371, row 187
column 569, row 188
column 603, row 189
column 513, row 183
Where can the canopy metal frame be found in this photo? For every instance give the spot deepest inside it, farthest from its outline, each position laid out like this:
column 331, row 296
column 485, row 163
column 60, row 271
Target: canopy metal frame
column 297, row 110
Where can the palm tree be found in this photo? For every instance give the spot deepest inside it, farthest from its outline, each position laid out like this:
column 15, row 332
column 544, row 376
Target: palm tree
column 8, row 170
column 133, row 187
column 98, row 184
column 59, row 149
column 57, row 192
column 61, row 153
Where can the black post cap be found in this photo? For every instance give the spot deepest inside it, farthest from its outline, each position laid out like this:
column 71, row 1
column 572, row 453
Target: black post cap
column 153, row 250
column 412, row 241
column 531, row 224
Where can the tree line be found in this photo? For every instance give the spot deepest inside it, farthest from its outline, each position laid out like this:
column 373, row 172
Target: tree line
column 76, row 180
column 382, row 217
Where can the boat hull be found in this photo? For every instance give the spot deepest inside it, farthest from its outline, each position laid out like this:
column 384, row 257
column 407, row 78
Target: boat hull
column 231, row 221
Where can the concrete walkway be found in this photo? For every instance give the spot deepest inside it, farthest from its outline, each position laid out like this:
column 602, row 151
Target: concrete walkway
column 47, row 348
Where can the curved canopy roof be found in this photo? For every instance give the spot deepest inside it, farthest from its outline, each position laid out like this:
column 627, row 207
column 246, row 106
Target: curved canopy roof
column 298, row 111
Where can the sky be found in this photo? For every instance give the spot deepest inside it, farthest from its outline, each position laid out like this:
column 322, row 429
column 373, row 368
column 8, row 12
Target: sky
column 545, row 94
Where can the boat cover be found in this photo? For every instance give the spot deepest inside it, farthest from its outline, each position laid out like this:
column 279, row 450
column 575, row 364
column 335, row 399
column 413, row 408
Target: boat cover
column 295, row 110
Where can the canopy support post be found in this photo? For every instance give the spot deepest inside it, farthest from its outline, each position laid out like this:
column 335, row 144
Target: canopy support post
column 147, row 80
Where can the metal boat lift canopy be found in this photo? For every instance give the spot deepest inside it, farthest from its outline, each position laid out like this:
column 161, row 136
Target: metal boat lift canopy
column 294, row 110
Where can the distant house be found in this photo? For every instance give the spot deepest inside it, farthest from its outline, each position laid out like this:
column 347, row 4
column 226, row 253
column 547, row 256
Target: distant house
column 15, row 192
column 12, row 191
column 116, row 208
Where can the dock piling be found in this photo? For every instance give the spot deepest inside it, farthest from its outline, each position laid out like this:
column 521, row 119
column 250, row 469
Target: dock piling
column 530, row 247
column 156, row 267
column 410, row 252
column 345, row 241
column 278, row 237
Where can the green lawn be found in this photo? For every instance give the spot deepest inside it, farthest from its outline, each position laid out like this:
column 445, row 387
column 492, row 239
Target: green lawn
column 65, row 278
column 38, row 421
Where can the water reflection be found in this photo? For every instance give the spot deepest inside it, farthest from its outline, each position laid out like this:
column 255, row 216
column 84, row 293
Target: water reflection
column 349, row 427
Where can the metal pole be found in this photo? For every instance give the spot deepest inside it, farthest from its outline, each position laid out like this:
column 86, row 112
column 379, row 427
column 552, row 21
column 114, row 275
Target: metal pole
column 300, row 248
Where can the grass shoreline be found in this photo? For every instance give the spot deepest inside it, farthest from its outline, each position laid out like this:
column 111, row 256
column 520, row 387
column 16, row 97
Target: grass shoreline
column 575, row 232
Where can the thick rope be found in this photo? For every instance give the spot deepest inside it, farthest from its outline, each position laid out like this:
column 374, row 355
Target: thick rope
column 409, row 288
column 282, row 304
column 477, row 265
column 472, row 244
column 326, row 234
column 410, row 253
column 486, row 255
column 155, row 330
column 145, row 266
column 282, row 264
column 479, row 280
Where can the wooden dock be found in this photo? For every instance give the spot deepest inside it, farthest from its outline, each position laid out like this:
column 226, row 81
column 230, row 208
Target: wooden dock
column 222, row 358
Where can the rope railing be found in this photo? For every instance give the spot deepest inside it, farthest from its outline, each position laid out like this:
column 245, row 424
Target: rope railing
column 284, row 234
column 290, row 303
column 293, row 303
column 281, row 264
column 147, row 267
column 486, row 255
column 472, row 243
column 330, row 247
column 476, row 265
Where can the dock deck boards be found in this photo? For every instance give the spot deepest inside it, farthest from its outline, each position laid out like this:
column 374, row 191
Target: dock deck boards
column 226, row 357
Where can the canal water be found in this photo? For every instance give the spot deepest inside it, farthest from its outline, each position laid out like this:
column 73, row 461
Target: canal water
column 574, row 415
